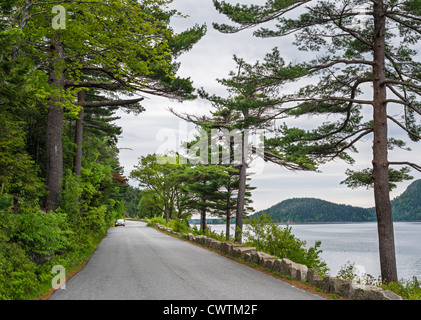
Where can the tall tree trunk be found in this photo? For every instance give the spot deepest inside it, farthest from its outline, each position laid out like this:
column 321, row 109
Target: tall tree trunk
column 380, row 152
column 77, row 165
column 203, row 216
column 229, row 195
column 54, row 147
column 167, row 218
column 228, row 224
column 170, row 211
column 241, row 191
column 203, row 219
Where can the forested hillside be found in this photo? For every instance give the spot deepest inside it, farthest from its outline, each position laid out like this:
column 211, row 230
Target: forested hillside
column 406, row 207
column 316, row 210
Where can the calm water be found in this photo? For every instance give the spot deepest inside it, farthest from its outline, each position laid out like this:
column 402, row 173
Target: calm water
column 357, row 243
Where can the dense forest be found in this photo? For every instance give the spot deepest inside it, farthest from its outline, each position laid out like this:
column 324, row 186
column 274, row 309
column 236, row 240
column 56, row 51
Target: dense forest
column 406, row 207
column 64, row 71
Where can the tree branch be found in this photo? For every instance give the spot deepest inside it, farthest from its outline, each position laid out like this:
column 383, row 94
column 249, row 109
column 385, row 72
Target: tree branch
column 405, row 163
column 108, row 103
column 403, row 127
column 342, row 99
column 401, row 83
column 88, row 84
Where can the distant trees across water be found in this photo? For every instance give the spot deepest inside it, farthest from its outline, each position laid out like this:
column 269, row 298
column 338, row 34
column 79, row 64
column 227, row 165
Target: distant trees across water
column 406, row 207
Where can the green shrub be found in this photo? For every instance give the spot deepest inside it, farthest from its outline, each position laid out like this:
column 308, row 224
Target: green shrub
column 70, row 197
column 407, row 289
column 351, row 273
column 157, row 219
column 18, row 273
column 5, row 203
column 269, row 237
column 178, row 225
column 39, row 234
column 208, row 232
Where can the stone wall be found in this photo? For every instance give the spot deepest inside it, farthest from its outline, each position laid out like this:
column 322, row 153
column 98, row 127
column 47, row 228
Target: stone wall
column 300, row 272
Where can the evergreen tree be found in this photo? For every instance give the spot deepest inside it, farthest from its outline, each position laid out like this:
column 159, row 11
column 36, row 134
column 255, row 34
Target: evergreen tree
column 227, row 207
column 127, row 41
column 378, row 53
column 203, row 183
column 251, row 105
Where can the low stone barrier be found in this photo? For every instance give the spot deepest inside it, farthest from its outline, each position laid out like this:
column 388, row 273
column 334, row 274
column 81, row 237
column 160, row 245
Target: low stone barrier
column 240, row 252
column 286, row 267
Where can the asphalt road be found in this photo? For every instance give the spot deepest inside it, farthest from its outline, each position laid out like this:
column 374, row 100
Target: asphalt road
column 140, row 263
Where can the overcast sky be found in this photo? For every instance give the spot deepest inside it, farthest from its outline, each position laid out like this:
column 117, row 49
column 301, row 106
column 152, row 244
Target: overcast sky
column 210, row 59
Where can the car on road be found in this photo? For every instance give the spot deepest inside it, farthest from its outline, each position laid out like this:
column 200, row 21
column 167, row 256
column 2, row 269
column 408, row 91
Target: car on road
column 120, row 222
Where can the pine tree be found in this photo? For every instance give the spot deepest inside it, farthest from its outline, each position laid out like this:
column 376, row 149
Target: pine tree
column 361, row 44
column 128, row 43
column 204, row 184
column 251, row 106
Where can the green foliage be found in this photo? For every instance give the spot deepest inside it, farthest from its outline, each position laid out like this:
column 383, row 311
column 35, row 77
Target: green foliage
column 208, row 232
column 267, row 236
column 157, row 177
column 185, row 40
column 147, row 207
column 409, row 289
column 157, row 219
column 203, row 183
column 41, row 235
column 18, row 172
column 364, row 178
column 70, row 196
column 5, row 203
column 132, row 197
column 351, row 273
column 18, row 272
column 18, row 276
column 179, row 190
column 178, row 225
column 348, row 272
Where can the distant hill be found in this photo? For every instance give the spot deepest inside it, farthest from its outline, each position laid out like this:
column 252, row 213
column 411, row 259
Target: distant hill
column 316, row 210
column 406, row 207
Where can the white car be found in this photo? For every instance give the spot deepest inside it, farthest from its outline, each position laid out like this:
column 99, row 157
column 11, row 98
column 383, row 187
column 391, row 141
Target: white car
column 120, row 222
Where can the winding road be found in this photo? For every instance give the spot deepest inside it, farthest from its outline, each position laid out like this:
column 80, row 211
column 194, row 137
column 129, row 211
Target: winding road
column 140, row 263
